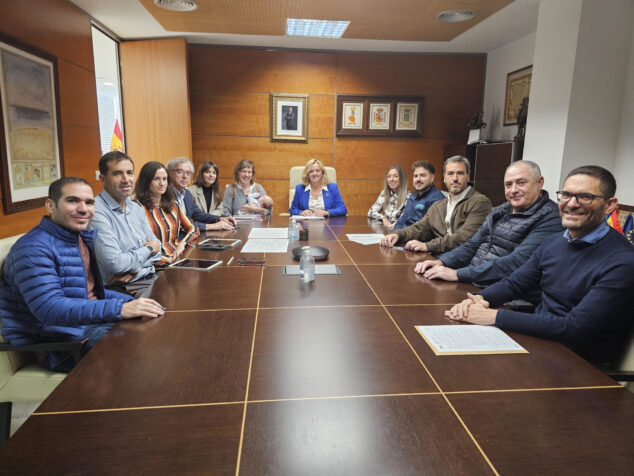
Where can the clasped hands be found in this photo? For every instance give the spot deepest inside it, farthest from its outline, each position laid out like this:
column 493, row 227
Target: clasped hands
column 412, row 245
column 474, row 310
column 316, row 213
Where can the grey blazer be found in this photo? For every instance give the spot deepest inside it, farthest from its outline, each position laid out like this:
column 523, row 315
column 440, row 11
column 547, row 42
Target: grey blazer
column 199, row 199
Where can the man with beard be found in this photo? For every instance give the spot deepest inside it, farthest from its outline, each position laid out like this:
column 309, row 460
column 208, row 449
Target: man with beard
column 423, row 196
column 449, row 222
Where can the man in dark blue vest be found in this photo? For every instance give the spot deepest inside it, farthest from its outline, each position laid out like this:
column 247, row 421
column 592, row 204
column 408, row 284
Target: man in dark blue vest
column 509, row 235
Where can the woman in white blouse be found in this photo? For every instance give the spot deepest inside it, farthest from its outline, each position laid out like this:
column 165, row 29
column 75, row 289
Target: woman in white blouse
column 391, row 202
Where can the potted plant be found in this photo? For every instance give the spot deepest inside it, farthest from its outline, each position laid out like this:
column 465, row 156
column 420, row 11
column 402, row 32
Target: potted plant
column 475, row 125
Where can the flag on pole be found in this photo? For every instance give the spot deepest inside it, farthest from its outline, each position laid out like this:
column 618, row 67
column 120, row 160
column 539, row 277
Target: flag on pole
column 117, row 138
column 613, row 220
column 628, row 228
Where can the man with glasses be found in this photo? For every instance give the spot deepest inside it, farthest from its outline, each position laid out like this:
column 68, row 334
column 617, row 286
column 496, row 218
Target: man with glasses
column 180, row 171
column 509, row 235
column 585, row 276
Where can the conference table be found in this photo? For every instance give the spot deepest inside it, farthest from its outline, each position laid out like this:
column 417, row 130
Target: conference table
column 252, row 372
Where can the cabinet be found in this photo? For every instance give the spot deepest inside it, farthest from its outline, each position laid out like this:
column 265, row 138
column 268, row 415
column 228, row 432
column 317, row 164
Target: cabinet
column 488, row 164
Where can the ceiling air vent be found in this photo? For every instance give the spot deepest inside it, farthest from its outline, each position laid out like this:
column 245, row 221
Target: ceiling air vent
column 455, row 16
column 177, row 5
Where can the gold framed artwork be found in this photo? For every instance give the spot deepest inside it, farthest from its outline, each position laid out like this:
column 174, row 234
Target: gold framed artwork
column 30, row 140
column 289, row 117
column 518, row 86
column 386, row 116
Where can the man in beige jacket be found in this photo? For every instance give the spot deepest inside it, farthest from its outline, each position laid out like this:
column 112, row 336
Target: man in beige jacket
column 449, row 222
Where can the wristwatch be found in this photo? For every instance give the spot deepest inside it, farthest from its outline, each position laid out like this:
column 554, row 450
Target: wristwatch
column 151, row 249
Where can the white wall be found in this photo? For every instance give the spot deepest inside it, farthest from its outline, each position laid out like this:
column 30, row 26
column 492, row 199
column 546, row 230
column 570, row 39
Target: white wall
column 624, row 163
column 500, row 62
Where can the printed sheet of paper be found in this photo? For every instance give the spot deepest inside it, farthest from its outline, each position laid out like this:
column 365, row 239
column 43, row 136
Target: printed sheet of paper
column 468, row 339
column 270, row 233
column 302, row 217
column 293, row 269
column 365, row 238
column 266, row 245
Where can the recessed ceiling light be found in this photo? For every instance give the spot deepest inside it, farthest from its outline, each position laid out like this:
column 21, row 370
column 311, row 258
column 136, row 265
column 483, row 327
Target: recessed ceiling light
column 455, row 16
column 177, row 5
column 321, row 28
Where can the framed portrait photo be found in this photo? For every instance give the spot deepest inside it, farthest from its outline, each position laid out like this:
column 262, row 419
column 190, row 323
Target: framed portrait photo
column 518, row 86
column 409, row 117
column 30, row 144
column 379, row 117
column 289, row 118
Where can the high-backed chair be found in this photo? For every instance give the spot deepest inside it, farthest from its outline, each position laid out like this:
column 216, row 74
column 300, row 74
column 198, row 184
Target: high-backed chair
column 22, row 379
column 295, row 177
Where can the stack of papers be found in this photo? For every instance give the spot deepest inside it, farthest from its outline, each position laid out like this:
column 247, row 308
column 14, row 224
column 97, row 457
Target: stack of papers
column 468, row 339
column 267, row 240
column 365, row 238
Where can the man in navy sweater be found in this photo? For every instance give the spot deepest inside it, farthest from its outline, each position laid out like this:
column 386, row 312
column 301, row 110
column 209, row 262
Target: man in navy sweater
column 585, row 276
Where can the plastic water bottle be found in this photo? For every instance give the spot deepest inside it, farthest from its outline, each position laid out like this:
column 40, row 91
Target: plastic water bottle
column 293, row 230
column 306, row 266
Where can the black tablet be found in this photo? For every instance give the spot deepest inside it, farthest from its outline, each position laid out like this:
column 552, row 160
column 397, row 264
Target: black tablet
column 196, row 264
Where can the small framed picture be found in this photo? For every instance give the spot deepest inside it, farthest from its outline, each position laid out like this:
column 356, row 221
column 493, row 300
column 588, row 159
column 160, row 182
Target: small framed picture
column 518, row 86
column 409, row 118
column 289, row 117
column 351, row 115
column 380, row 115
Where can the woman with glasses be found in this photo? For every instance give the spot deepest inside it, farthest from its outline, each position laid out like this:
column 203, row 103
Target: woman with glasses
column 206, row 189
column 154, row 193
column 244, row 196
column 391, row 201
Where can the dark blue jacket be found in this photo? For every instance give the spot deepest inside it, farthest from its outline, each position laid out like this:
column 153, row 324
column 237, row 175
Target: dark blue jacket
column 194, row 212
column 504, row 242
column 44, row 297
column 332, row 200
column 417, row 205
column 586, row 291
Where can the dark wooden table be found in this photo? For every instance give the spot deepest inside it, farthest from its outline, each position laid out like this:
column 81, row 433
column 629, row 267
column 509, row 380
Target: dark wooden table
column 252, row 372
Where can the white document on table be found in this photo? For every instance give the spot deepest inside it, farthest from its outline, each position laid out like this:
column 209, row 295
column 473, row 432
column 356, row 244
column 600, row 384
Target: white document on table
column 468, row 339
column 302, row 217
column 247, row 217
column 271, row 233
column 293, row 269
column 365, row 238
column 265, row 245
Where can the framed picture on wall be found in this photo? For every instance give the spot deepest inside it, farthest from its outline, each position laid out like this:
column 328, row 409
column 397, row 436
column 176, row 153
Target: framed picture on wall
column 379, row 117
column 518, row 86
column 409, row 117
column 30, row 146
column 289, row 117
column 351, row 115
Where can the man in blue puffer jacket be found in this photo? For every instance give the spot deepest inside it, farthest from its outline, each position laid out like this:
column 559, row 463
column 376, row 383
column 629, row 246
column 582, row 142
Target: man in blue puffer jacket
column 509, row 235
column 51, row 287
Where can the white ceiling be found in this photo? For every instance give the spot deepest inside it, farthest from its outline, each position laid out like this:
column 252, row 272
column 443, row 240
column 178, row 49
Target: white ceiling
column 130, row 20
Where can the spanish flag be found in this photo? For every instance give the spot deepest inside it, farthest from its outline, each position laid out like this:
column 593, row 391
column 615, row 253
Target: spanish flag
column 613, row 221
column 117, row 138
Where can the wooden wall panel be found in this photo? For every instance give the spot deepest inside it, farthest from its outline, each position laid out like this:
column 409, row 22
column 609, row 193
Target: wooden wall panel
column 236, row 69
column 155, row 100
column 429, row 75
column 272, row 160
column 59, row 28
column 78, row 95
column 248, row 114
column 359, row 195
column 225, row 81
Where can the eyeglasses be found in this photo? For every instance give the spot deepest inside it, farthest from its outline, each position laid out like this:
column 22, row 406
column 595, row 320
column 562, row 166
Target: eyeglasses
column 582, row 198
column 183, row 172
